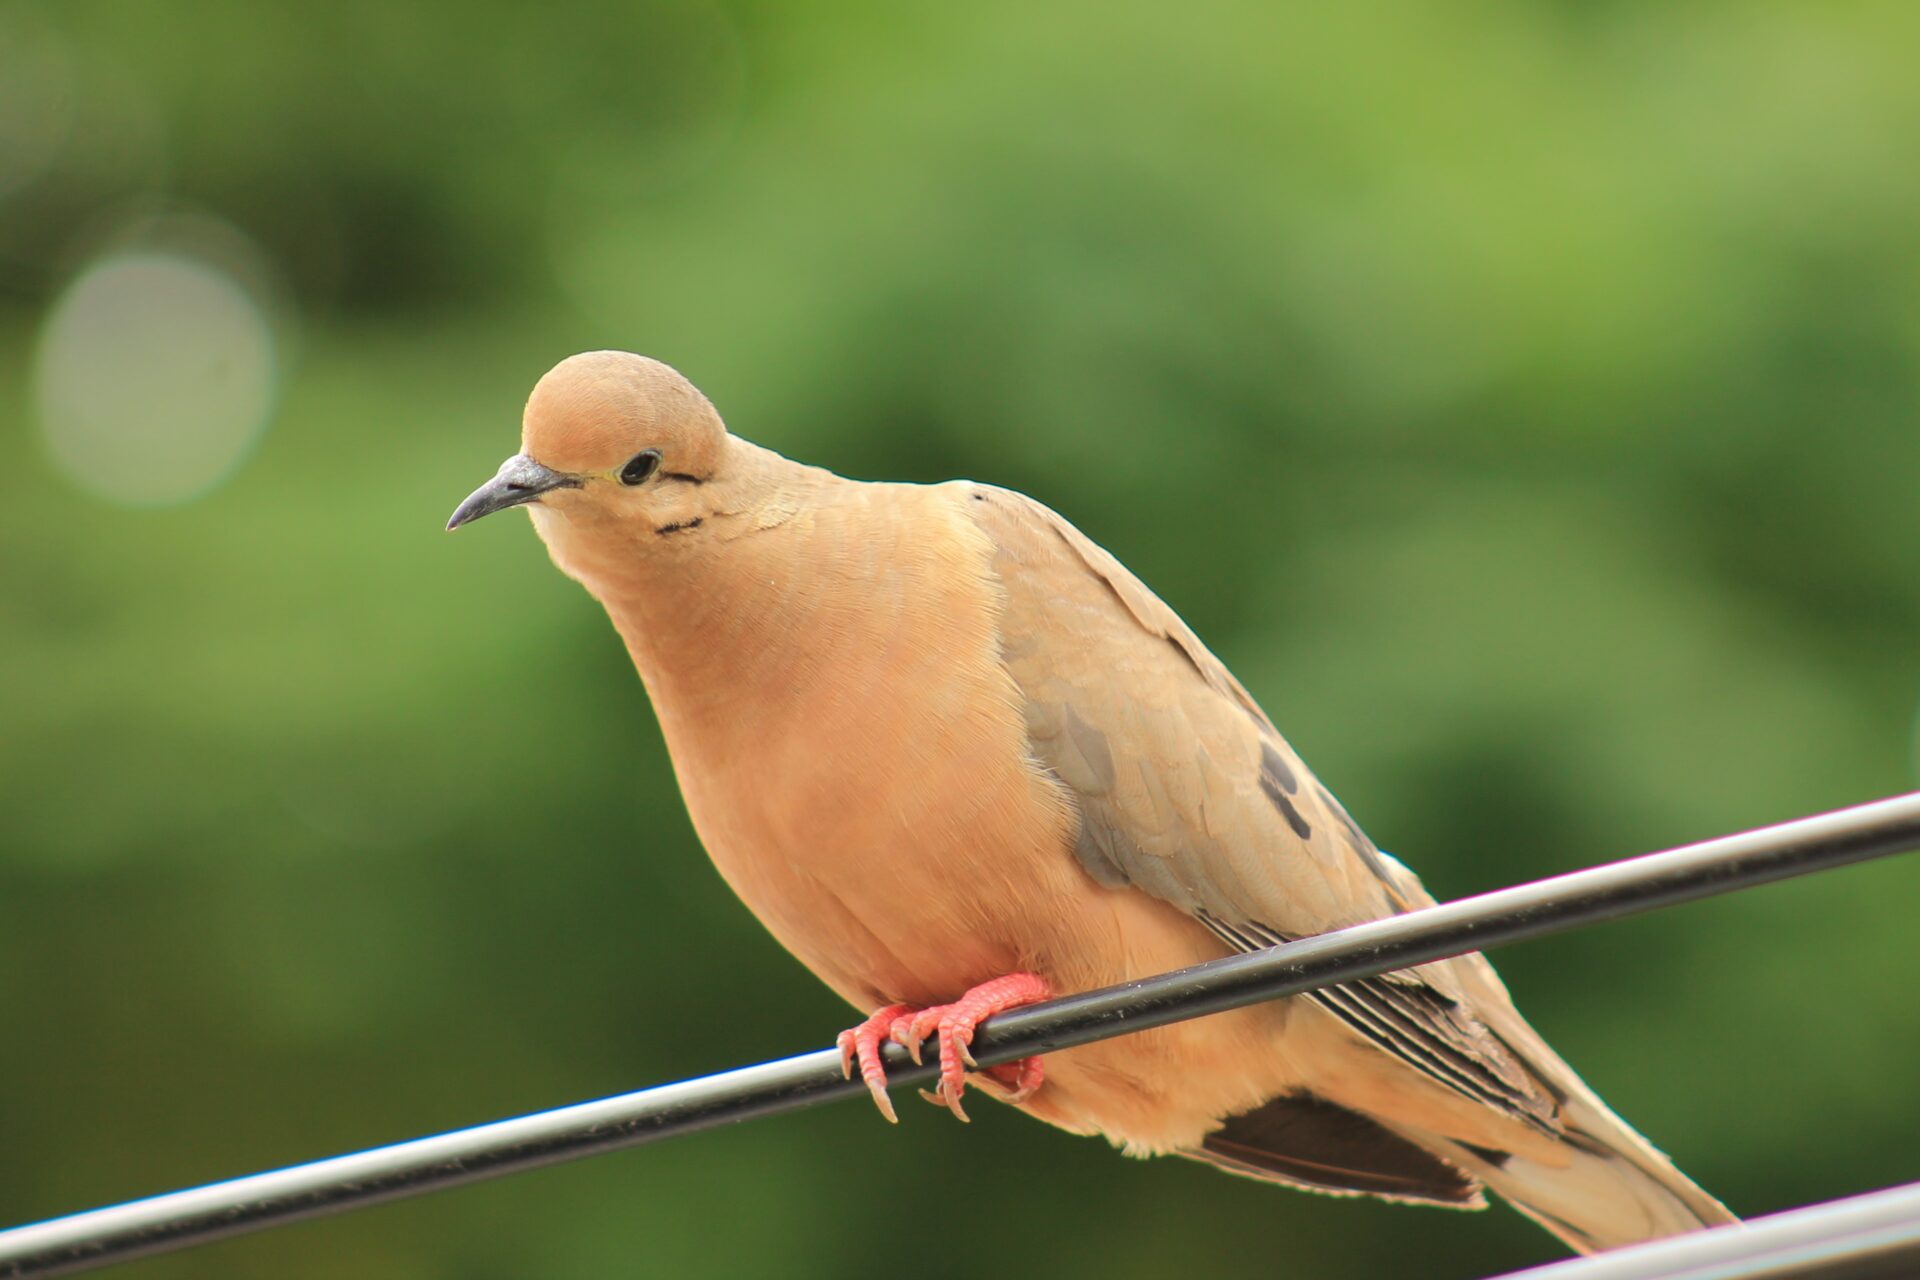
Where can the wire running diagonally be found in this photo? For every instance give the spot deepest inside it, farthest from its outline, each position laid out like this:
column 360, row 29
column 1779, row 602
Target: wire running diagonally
column 198, row 1215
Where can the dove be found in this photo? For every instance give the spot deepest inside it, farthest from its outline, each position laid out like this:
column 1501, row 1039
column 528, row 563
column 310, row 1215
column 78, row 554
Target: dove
column 957, row 759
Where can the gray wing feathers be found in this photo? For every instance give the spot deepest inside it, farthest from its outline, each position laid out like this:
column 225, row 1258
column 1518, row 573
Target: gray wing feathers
column 1187, row 792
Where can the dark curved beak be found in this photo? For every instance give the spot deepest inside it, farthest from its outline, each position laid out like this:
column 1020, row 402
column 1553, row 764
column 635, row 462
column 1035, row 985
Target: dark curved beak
column 519, row 480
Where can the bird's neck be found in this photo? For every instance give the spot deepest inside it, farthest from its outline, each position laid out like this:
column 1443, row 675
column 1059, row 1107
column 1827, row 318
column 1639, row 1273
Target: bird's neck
column 716, row 613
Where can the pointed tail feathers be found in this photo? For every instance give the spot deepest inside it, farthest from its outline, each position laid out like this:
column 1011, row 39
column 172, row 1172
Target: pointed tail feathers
column 1615, row 1188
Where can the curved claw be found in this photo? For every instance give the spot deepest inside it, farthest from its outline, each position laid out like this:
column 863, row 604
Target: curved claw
column 954, row 1026
column 938, row 1097
column 941, row 1098
column 908, row 1036
column 861, row 1045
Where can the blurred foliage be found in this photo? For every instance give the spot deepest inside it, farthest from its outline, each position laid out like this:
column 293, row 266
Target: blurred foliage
column 1520, row 396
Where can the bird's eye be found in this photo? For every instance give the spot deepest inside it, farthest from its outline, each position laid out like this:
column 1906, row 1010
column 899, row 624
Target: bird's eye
column 640, row 466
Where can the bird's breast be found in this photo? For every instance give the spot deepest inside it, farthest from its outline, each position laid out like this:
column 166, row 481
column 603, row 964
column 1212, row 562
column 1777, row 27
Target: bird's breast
column 853, row 755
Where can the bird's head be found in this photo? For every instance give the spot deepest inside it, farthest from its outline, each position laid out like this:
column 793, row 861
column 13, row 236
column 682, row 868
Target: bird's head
column 609, row 435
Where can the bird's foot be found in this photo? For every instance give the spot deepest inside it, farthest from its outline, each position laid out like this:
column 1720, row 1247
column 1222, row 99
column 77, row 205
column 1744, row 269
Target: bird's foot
column 954, row 1025
column 861, row 1045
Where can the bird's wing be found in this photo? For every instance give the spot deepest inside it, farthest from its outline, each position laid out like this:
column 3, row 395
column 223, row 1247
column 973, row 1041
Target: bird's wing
column 1186, row 791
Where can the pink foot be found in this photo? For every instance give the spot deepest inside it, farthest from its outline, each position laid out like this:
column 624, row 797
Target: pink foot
column 954, row 1024
column 862, row 1044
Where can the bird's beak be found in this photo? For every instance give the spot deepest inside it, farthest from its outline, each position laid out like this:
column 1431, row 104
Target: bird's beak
column 519, row 480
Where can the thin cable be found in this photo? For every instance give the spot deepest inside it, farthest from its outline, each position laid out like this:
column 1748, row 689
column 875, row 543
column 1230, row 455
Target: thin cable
column 1870, row 1237
column 201, row 1214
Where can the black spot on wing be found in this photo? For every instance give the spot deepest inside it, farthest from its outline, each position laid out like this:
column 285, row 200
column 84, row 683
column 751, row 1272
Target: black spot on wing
column 1275, row 771
column 1278, row 783
column 1299, row 824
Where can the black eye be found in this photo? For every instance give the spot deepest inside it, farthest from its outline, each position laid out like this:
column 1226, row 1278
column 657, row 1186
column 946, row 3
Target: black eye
column 640, row 466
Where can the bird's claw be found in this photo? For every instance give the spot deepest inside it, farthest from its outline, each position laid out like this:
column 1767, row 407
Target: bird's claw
column 861, row 1046
column 954, row 1025
column 940, row 1098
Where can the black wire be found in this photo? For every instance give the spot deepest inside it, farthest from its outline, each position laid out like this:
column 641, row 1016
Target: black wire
column 201, row 1214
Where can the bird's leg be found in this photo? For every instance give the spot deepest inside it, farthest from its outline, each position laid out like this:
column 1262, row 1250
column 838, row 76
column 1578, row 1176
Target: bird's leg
column 954, row 1024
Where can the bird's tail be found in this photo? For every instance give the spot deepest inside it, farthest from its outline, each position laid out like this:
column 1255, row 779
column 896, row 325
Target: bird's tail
column 1604, row 1185
column 1611, row 1188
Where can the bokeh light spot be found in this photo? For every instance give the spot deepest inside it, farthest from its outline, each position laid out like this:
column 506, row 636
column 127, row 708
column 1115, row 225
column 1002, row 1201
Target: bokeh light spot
column 155, row 374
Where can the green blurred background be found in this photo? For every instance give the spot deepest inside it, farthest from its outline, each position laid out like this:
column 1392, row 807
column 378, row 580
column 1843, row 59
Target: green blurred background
column 1520, row 396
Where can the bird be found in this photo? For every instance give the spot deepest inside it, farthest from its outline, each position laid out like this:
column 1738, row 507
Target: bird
column 958, row 759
